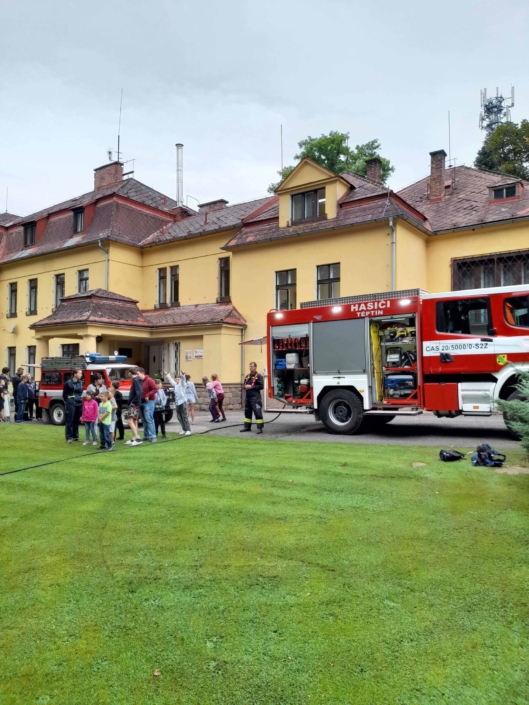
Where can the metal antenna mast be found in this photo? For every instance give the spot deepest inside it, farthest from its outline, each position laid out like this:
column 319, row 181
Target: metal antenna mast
column 119, row 124
column 281, row 147
column 495, row 110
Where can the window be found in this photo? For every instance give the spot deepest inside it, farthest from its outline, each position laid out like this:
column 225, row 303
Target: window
column 499, row 194
column 286, row 289
column 464, row 316
column 31, row 356
column 13, row 294
column 82, row 281
column 310, row 204
column 517, row 311
column 32, row 297
column 70, row 350
column 224, row 279
column 328, row 281
column 500, row 269
column 59, row 288
column 162, row 286
column 30, row 234
column 12, row 359
column 125, row 351
column 78, row 220
column 175, row 286
column 51, row 379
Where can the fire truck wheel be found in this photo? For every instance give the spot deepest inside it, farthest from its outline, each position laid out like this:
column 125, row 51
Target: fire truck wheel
column 511, row 397
column 57, row 415
column 341, row 411
column 168, row 415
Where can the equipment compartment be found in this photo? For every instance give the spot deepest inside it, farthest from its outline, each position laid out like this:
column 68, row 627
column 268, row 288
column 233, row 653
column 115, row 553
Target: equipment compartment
column 290, row 364
column 394, row 354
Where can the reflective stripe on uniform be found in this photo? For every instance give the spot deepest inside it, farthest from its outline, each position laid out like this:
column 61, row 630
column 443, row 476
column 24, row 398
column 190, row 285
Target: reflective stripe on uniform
column 259, row 421
column 247, row 420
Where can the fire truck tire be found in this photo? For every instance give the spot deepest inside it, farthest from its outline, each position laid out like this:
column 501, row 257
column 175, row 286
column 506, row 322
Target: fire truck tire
column 511, row 397
column 57, row 414
column 341, row 412
column 168, row 415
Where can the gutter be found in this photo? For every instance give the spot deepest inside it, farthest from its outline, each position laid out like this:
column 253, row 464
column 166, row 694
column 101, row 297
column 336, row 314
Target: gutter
column 393, row 253
column 475, row 226
column 106, row 262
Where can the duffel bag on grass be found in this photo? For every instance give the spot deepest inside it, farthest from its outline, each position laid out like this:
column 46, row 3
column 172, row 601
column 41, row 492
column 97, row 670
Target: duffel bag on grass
column 448, row 456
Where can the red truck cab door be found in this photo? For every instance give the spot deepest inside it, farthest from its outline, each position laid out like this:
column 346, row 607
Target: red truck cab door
column 458, row 335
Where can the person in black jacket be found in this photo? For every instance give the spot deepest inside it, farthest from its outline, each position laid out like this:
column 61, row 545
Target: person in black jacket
column 118, row 396
column 253, row 384
column 134, row 407
column 15, row 381
column 22, row 399
column 73, row 401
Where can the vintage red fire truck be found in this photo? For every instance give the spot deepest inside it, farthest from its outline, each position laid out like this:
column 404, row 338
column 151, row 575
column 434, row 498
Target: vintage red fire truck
column 370, row 358
column 56, row 370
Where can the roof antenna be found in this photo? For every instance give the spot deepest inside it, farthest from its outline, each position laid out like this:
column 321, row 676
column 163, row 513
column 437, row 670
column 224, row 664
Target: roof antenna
column 7, row 196
column 281, row 147
column 449, row 145
column 119, row 124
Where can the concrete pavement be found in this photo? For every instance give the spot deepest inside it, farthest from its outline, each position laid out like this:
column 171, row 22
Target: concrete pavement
column 426, row 429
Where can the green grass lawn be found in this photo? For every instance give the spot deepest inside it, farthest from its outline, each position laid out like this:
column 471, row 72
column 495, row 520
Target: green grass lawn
column 259, row 572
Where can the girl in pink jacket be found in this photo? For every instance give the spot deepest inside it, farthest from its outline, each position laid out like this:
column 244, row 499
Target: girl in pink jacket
column 217, row 386
column 89, row 418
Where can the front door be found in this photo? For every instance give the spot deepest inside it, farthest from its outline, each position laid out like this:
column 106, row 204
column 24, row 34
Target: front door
column 155, row 365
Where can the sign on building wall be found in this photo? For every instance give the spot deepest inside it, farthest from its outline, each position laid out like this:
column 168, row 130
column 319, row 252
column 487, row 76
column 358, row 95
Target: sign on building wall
column 189, row 355
column 199, row 354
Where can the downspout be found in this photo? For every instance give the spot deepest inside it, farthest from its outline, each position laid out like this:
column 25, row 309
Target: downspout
column 393, row 254
column 106, row 262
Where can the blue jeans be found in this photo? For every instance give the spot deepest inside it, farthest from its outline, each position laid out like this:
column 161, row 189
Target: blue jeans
column 90, row 429
column 104, row 434
column 20, row 411
column 147, row 414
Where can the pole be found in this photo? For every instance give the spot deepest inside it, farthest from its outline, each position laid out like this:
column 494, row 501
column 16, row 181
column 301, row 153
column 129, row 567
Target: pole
column 281, row 147
column 449, row 144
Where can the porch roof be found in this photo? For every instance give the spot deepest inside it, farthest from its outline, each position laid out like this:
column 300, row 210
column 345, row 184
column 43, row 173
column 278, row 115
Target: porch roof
column 101, row 307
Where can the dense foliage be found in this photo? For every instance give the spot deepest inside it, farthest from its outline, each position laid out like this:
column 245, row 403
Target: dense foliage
column 333, row 152
column 506, row 150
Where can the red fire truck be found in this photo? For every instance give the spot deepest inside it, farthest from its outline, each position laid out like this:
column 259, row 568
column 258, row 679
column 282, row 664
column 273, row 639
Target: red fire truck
column 56, row 370
column 374, row 357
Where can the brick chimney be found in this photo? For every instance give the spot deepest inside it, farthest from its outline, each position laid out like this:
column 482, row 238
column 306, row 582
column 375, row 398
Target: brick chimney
column 437, row 175
column 108, row 175
column 212, row 205
column 374, row 169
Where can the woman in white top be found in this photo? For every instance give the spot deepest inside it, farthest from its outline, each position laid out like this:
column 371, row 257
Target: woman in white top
column 191, row 396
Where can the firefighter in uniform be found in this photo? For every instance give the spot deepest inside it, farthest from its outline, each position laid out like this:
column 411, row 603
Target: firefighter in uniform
column 73, row 401
column 253, row 384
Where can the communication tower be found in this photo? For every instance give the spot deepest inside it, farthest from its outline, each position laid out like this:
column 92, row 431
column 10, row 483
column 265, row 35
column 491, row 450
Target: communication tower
column 494, row 110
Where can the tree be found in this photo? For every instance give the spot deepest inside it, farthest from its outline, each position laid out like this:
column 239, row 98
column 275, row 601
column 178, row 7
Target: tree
column 506, row 150
column 516, row 411
column 333, row 152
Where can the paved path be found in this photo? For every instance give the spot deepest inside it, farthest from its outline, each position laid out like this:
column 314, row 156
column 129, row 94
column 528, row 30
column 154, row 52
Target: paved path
column 426, row 429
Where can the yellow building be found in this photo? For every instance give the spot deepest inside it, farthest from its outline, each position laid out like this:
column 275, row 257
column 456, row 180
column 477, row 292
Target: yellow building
column 126, row 268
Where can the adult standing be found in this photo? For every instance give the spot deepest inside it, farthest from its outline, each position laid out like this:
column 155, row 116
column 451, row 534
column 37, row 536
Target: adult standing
column 73, row 399
column 3, row 394
column 5, row 411
column 217, row 386
column 253, row 384
column 133, row 416
column 148, row 395
column 22, row 399
column 118, row 396
column 15, row 381
column 32, row 395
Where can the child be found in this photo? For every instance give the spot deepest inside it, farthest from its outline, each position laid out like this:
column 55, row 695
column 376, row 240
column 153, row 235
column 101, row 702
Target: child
column 213, row 410
column 217, row 386
column 179, row 387
column 191, row 396
column 105, row 418
column 160, row 401
column 114, row 416
column 89, row 418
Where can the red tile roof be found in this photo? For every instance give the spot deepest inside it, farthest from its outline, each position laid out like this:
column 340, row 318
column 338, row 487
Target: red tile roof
column 102, row 307
column 468, row 202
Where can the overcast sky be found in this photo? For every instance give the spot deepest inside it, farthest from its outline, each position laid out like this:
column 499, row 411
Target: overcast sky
column 221, row 77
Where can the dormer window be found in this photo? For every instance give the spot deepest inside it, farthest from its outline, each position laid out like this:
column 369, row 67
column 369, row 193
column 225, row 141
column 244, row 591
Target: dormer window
column 78, row 220
column 500, row 194
column 310, row 204
column 30, row 234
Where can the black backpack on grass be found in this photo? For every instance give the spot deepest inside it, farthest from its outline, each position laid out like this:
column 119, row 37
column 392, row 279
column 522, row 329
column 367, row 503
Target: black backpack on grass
column 448, row 456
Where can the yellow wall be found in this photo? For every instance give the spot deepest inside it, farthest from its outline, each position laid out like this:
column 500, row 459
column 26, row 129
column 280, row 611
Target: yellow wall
column 198, row 261
column 411, row 266
column 442, row 248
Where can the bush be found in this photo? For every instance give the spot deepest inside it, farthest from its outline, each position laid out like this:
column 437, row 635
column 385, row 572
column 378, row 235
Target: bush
column 516, row 410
